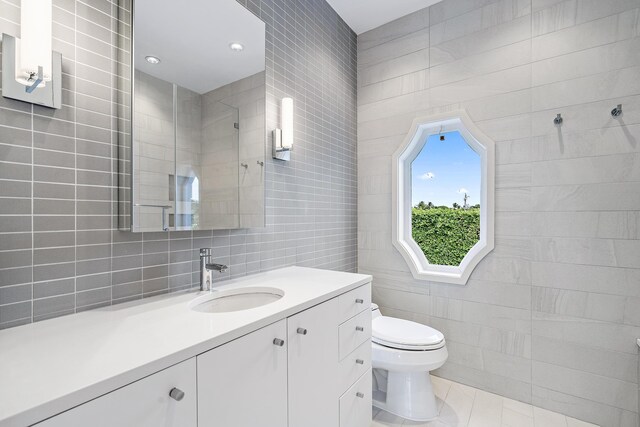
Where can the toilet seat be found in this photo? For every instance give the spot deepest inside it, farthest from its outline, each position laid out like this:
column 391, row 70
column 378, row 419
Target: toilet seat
column 403, row 353
column 405, row 335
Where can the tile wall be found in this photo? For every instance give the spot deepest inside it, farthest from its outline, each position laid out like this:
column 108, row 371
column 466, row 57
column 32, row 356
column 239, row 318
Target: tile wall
column 155, row 152
column 60, row 251
column 243, row 102
column 551, row 316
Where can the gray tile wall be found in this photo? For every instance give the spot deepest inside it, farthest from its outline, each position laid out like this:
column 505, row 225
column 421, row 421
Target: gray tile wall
column 551, row 315
column 60, row 251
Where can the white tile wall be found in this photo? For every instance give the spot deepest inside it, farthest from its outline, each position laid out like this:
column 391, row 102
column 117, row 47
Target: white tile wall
column 550, row 317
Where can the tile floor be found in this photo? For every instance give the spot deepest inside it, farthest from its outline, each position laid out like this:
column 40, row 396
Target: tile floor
column 464, row 406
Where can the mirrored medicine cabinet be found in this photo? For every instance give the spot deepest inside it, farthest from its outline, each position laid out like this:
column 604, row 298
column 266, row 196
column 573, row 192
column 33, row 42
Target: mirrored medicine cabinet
column 192, row 141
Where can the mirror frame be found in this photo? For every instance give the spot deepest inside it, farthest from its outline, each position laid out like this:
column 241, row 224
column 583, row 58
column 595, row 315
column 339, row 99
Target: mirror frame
column 412, row 145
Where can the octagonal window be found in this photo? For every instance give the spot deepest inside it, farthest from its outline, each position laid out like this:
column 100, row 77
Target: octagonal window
column 445, row 183
column 443, row 197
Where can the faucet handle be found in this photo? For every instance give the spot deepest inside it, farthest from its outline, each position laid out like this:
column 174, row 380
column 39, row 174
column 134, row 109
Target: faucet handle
column 205, row 252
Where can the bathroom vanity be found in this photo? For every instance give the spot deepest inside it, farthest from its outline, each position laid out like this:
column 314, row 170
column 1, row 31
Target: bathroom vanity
column 303, row 359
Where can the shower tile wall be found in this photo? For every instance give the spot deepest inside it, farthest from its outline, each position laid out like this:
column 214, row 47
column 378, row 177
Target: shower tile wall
column 220, row 165
column 236, row 191
column 247, row 95
column 551, row 316
column 155, row 152
column 59, row 250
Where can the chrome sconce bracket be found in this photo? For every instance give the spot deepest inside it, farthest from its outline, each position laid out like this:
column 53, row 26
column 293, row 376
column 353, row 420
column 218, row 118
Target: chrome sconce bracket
column 37, row 79
column 280, row 153
column 283, row 136
column 48, row 96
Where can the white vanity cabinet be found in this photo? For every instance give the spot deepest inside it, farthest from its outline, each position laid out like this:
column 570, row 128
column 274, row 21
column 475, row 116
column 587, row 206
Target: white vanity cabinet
column 244, row 383
column 145, row 403
column 354, row 349
column 310, row 369
column 313, row 366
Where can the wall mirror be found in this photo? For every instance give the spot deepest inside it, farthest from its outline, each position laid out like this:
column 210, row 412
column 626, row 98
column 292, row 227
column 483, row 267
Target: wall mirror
column 443, row 194
column 198, row 116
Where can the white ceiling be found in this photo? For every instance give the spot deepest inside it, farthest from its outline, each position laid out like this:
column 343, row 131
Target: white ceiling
column 365, row 15
column 192, row 37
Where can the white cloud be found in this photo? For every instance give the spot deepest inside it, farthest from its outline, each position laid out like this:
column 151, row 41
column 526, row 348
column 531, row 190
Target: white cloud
column 463, row 190
column 427, row 176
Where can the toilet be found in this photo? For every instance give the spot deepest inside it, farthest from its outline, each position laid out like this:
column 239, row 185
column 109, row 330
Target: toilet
column 403, row 353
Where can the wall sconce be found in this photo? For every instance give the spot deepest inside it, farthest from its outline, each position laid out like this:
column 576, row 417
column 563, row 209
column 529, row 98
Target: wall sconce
column 31, row 72
column 283, row 137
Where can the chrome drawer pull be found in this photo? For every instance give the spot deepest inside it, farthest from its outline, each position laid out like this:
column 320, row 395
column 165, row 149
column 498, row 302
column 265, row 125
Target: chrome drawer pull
column 302, row 331
column 359, row 328
column 360, row 395
column 360, row 361
column 278, row 342
column 359, row 301
column 176, row 394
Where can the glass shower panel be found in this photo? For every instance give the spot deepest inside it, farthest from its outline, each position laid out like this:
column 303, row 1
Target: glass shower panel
column 219, row 159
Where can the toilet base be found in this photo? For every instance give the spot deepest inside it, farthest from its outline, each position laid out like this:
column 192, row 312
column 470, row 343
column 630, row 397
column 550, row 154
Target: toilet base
column 408, row 395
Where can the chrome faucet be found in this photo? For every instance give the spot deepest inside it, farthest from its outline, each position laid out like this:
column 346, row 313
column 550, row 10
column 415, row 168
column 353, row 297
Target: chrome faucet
column 206, row 267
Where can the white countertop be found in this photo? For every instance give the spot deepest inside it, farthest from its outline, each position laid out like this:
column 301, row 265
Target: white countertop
column 50, row 366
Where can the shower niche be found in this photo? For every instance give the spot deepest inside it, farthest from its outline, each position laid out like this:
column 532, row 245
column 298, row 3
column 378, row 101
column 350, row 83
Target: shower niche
column 196, row 139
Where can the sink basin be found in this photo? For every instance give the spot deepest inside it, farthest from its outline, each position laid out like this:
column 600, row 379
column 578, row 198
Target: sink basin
column 235, row 299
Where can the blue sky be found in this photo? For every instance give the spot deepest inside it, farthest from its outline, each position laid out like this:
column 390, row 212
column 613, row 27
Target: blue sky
column 444, row 169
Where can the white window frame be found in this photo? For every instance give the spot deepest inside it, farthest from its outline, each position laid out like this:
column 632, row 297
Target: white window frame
column 421, row 129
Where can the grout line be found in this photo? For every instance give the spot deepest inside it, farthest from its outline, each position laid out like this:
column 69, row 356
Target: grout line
column 32, row 214
column 531, row 295
column 75, row 158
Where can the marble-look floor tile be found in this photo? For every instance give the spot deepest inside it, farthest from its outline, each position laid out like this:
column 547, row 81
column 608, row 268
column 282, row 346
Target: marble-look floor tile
column 487, row 410
column 463, row 406
column 458, row 405
column 512, row 418
column 544, row 418
column 441, row 389
column 385, row 419
column 572, row 422
column 517, row 406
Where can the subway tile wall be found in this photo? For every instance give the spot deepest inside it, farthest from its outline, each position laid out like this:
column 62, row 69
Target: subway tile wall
column 60, row 250
column 551, row 315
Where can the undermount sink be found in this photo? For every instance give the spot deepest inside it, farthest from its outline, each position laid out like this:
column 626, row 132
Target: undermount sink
column 235, row 299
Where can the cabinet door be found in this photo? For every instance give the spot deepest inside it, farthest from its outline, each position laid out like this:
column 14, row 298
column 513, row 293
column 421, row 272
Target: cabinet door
column 313, row 366
column 355, row 404
column 144, row 403
column 244, row 383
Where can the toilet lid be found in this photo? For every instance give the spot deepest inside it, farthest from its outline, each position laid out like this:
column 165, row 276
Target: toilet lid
column 404, row 334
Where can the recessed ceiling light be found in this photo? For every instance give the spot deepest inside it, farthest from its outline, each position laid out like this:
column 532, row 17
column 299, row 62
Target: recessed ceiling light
column 152, row 59
column 237, row 47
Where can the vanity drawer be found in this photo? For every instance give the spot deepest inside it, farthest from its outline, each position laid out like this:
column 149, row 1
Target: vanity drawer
column 353, row 302
column 354, row 366
column 355, row 404
column 144, row 403
column 354, row 332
